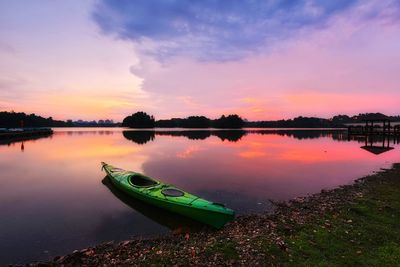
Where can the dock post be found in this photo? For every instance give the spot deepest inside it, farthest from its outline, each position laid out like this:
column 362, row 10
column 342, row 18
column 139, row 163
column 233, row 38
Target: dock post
column 384, row 127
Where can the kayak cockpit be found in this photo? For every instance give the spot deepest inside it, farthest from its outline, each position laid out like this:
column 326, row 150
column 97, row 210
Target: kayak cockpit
column 141, row 181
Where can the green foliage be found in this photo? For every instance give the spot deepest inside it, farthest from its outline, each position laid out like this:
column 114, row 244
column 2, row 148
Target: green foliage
column 365, row 233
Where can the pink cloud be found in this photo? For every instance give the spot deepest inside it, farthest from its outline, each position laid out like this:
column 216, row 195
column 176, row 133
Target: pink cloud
column 348, row 64
column 349, row 67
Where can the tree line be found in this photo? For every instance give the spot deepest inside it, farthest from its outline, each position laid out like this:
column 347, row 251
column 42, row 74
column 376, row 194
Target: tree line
column 143, row 120
column 299, row 122
column 20, row 119
column 233, row 121
column 362, row 117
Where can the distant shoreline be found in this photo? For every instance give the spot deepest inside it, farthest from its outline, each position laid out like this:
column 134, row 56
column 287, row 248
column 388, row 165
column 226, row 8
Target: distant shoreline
column 142, row 120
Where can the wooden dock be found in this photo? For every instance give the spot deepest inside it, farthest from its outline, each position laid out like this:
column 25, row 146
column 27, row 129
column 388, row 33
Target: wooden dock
column 21, row 134
column 375, row 127
column 377, row 134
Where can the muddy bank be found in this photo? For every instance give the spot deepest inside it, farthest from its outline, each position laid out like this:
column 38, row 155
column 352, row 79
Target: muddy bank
column 344, row 226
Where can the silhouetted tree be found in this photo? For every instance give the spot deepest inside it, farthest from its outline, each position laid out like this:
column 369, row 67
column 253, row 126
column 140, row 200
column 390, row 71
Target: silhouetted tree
column 230, row 121
column 139, row 120
column 370, row 116
column 341, row 119
column 196, row 122
column 171, row 123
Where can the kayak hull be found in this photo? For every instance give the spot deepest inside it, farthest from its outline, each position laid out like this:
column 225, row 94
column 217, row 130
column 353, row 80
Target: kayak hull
column 188, row 205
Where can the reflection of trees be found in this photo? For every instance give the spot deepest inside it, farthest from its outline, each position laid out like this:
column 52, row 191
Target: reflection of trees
column 139, row 137
column 193, row 135
column 142, row 137
column 232, row 136
column 298, row 122
column 339, row 135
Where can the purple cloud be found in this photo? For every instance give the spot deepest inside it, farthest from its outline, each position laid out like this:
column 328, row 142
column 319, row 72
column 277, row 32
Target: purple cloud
column 211, row 30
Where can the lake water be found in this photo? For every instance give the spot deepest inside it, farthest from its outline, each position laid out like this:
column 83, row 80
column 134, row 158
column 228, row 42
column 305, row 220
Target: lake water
column 54, row 198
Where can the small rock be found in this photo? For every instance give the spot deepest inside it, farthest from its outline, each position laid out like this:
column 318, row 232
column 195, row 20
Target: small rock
column 124, row 243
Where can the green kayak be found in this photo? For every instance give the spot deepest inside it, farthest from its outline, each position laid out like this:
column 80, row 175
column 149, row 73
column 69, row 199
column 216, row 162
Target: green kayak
column 168, row 197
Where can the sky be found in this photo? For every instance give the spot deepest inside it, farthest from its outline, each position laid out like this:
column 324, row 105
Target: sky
column 261, row 59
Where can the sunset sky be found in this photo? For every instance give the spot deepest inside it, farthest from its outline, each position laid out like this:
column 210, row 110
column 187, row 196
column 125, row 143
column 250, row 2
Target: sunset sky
column 261, row 59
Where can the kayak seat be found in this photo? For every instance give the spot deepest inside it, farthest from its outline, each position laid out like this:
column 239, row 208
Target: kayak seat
column 138, row 180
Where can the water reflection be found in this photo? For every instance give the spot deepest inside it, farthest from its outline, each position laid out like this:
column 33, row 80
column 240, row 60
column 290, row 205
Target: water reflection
column 52, row 200
column 144, row 136
column 379, row 144
column 174, row 222
column 9, row 142
column 335, row 134
column 190, row 134
column 139, row 137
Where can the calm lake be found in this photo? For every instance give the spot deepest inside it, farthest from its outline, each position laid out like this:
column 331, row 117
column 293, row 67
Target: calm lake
column 54, row 198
